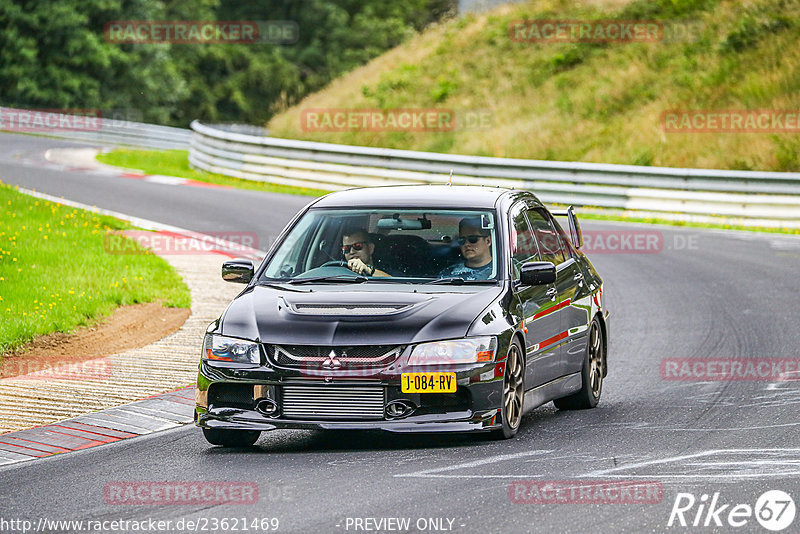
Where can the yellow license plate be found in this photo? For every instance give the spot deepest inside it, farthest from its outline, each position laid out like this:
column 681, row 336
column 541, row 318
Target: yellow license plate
column 428, row 382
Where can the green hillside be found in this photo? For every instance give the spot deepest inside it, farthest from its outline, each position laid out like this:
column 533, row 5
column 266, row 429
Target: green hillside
column 594, row 102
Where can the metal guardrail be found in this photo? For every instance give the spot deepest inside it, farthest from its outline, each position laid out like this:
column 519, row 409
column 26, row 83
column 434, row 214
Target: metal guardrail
column 100, row 130
column 770, row 196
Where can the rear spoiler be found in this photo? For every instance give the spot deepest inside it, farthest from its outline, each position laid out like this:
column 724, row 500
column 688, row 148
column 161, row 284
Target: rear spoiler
column 575, row 234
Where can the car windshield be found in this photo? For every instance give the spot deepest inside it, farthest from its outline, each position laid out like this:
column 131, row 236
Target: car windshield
column 388, row 245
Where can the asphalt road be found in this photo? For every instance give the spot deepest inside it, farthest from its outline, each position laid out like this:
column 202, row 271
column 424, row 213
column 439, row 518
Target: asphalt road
column 701, row 294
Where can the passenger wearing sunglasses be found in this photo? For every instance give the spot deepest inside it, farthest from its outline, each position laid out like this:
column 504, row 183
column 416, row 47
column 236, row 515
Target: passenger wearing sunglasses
column 476, row 248
column 358, row 248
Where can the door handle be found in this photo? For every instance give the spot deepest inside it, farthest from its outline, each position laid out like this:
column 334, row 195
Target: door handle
column 552, row 292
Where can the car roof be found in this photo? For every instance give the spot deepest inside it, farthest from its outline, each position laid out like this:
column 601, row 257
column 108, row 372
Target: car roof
column 415, row 196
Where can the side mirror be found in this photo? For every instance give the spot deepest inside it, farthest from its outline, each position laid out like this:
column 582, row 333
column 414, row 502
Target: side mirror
column 575, row 229
column 536, row 273
column 575, row 234
column 238, row 271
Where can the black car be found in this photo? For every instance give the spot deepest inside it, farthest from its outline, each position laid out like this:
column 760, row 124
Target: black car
column 407, row 309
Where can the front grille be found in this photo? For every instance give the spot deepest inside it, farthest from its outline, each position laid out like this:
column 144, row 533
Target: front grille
column 333, row 402
column 316, row 357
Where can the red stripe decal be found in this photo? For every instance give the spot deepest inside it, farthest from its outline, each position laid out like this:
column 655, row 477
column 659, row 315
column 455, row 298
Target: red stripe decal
column 552, row 309
column 551, row 340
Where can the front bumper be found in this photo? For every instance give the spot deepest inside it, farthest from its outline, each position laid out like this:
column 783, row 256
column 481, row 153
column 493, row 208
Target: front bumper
column 240, row 419
column 474, row 407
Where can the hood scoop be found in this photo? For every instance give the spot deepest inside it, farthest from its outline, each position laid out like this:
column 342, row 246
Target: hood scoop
column 350, row 309
column 355, row 309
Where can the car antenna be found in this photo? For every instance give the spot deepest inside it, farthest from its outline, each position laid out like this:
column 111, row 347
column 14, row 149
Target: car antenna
column 450, row 180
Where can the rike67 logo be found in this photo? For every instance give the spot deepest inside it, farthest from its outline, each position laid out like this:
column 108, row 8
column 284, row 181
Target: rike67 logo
column 774, row 510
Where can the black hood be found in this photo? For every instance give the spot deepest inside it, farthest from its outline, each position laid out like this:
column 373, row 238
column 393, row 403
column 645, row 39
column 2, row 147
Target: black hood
column 356, row 314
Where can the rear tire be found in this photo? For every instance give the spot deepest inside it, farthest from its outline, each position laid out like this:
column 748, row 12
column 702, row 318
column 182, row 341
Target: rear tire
column 591, row 374
column 513, row 393
column 231, row 438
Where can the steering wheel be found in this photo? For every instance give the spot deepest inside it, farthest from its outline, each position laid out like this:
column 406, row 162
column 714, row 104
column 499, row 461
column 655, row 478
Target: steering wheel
column 338, row 263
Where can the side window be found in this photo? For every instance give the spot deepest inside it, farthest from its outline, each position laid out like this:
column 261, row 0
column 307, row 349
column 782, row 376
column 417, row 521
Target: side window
column 523, row 244
column 549, row 240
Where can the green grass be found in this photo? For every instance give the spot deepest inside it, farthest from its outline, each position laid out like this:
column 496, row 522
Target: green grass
column 55, row 273
column 580, row 101
column 176, row 163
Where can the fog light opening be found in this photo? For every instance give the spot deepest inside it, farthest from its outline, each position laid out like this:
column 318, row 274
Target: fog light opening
column 267, row 407
column 399, row 408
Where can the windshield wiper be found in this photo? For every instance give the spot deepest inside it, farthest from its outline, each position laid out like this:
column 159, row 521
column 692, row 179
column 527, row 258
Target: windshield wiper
column 458, row 281
column 276, row 285
column 334, row 278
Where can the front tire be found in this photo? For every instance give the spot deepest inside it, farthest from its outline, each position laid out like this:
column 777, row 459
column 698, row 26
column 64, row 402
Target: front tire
column 513, row 393
column 591, row 374
column 231, row 438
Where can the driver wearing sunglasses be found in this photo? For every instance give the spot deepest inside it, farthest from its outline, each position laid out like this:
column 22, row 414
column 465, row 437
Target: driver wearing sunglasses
column 476, row 248
column 358, row 248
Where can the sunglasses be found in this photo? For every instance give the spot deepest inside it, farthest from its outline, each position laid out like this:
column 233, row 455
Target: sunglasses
column 355, row 246
column 471, row 238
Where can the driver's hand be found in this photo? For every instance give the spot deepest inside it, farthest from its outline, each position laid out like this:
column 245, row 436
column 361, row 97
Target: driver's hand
column 358, row 266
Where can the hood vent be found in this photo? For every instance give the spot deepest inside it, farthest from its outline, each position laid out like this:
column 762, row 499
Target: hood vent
column 350, row 309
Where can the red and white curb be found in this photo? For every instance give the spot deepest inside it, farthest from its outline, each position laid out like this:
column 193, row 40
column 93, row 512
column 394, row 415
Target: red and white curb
column 84, row 160
column 160, row 412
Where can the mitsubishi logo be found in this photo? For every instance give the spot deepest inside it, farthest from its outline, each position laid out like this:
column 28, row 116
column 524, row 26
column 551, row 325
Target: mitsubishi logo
column 332, row 362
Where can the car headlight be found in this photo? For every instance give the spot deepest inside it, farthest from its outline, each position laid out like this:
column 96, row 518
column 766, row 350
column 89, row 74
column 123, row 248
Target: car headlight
column 468, row 350
column 229, row 349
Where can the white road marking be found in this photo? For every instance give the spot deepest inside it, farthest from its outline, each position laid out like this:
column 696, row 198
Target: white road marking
column 790, row 454
column 166, row 180
column 784, row 463
column 434, row 473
